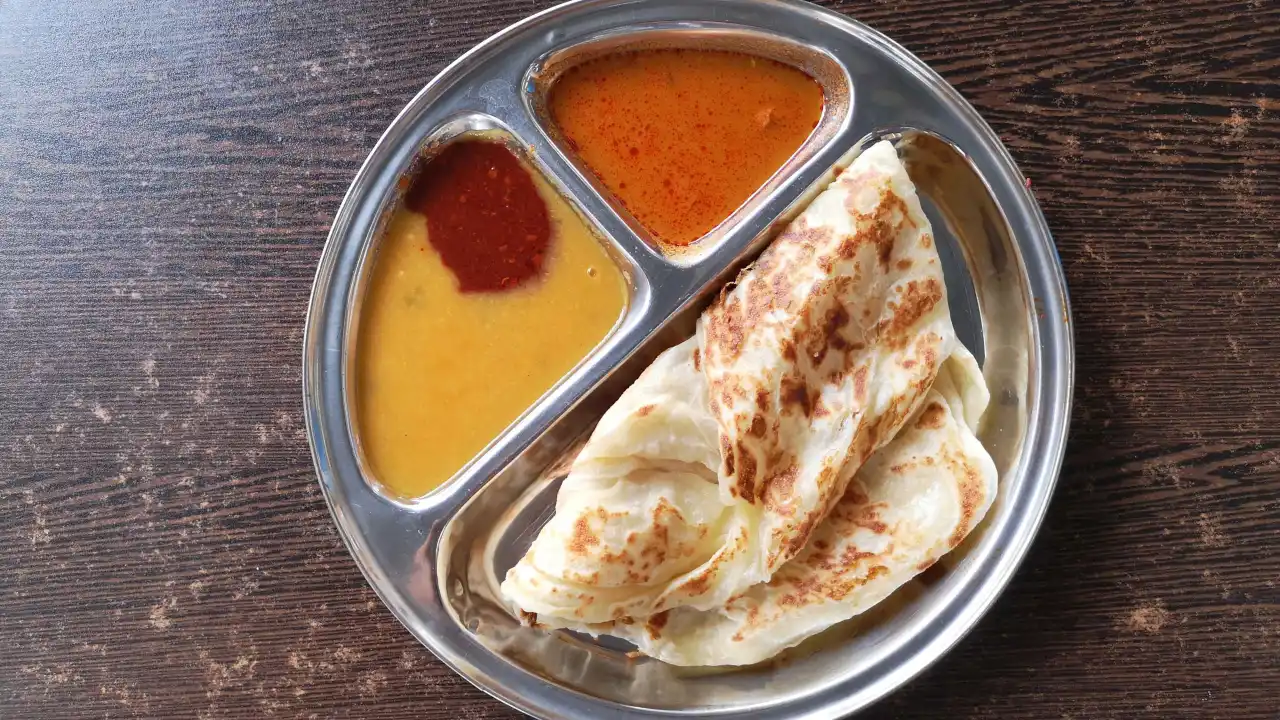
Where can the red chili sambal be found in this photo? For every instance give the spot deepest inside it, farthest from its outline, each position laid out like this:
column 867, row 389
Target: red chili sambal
column 484, row 215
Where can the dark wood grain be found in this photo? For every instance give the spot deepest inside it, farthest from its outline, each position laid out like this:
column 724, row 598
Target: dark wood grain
column 167, row 175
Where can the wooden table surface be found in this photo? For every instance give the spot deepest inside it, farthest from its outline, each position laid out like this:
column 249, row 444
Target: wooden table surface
column 168, row 172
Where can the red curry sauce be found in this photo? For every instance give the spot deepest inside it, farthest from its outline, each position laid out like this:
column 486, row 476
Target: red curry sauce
column 683, row 137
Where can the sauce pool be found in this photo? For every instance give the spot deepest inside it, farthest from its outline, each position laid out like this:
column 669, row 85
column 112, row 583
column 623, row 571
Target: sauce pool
column 450, row 349
column 682, row 138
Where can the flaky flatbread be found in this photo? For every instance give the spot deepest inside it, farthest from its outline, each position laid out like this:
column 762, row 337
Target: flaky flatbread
column 912, row 502
column 717, row 466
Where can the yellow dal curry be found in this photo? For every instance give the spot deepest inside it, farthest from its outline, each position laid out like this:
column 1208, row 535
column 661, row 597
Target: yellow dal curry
column 440, row 372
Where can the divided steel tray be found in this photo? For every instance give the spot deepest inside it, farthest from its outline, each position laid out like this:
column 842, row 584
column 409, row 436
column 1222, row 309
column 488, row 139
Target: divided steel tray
column 436, row 562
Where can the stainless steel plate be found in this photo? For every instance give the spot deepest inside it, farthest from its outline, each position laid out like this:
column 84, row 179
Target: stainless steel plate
column 436, row 561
